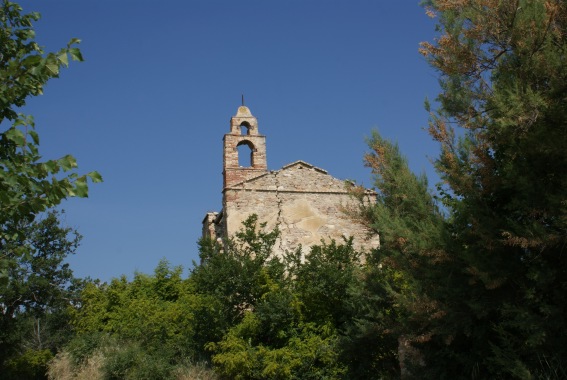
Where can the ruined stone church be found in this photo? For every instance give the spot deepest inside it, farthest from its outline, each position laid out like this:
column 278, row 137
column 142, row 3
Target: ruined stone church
column 303, row 201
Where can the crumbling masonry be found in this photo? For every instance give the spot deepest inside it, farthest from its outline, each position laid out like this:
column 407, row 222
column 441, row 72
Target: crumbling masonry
column 303, row 201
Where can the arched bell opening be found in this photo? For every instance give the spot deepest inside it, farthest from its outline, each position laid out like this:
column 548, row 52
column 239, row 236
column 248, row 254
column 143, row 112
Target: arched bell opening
column 245, row 154
column 245, row 128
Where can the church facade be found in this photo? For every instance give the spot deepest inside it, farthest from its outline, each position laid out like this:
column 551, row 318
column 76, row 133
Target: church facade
column 304, row 202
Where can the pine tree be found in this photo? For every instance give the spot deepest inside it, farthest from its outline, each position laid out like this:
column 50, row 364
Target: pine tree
column 501, row 126
column 403, row 275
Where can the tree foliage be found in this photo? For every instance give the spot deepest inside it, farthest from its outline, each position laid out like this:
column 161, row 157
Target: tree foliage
column 504, row 77
column 277, row 330
column 236, row 274
column 404, row 273
column 40, row 286
column 25, row 68
column 247, row 312
column 484, row 284
column 143, row 328
column 302, row 318
column 35, row 284
column 153, row 310
column 28, row 185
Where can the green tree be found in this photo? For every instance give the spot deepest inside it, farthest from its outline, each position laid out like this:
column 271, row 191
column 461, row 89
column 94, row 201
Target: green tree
column 28, row 186
column 501, row 126
column 279, row 314
column 32, row 276
column 153, row 310
column 33, row 303
column 327, row 282
column 160, row 323
column 331, row 287
column 292, row 317
column 310, row 351
column 403, row 274
column 234, row 277
column 144, row 327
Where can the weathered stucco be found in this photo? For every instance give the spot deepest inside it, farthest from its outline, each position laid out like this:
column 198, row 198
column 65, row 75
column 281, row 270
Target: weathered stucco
column 303, row 201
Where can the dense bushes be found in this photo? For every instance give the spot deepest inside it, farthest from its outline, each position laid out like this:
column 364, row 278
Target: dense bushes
column 249, row 314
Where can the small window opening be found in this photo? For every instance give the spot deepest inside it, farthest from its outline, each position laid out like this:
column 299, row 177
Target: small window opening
column 245, row 152
column 244, row 128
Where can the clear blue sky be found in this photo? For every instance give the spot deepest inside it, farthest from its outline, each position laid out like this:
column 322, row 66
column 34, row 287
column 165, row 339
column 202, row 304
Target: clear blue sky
column 151, row 103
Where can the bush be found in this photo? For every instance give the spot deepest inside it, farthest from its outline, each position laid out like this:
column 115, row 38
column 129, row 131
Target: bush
column 31, row 365
column 132, row 362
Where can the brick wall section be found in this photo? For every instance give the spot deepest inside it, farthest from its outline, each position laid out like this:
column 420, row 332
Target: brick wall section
column 233, row 173
column 243, row 131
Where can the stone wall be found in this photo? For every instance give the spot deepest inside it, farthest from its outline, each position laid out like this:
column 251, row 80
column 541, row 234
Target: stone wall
column 304, row 202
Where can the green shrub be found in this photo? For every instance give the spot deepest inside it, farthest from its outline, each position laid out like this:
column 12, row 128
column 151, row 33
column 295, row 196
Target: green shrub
column 31, row 365
column 131, row 361
column 85, row 345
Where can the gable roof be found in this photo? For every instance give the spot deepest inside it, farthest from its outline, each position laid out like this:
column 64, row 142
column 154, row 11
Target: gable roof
column 298, row 176
column 303, row 163
column 298, row 163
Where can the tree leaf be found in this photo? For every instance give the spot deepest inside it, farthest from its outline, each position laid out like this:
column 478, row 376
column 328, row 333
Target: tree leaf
column 74, row 41
column 63, row 58
column 81, row 187
column 16, row 136
column 68, row 162
column 54, row 68
column 95, row 176
column 76, row 54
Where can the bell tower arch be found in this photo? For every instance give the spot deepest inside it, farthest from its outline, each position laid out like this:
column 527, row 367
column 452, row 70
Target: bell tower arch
column 243, row 132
